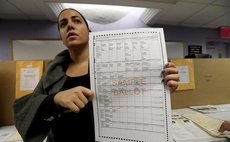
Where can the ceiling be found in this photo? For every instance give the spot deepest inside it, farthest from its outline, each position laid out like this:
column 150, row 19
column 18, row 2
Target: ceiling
column 192, row 13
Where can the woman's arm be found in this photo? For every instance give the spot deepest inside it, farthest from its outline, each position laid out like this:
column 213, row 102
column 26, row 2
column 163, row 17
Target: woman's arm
column 30, row 112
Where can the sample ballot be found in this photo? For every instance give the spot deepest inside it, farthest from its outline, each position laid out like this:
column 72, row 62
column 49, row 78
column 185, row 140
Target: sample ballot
column 131, row 104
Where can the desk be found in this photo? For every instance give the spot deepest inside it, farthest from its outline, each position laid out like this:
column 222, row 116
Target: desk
column 200, row 135
column 10, row 134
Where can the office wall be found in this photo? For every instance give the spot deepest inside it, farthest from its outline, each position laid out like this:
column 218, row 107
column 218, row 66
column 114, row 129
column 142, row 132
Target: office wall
column 191, row 35
column 23, row 29
column 37, row 49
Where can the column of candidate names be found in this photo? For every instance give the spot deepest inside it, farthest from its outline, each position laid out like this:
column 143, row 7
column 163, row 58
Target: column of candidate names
column 129, row 87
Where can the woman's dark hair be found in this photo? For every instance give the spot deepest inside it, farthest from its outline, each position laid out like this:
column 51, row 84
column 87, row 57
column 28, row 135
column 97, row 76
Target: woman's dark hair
column 77, row 12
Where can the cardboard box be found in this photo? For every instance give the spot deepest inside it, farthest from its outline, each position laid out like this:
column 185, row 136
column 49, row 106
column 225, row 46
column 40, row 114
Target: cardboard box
column 7, row 92
column 212, row 79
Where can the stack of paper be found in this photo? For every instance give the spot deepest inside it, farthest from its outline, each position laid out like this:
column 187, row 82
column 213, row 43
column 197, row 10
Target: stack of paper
column 208, row 124
column 207, row 108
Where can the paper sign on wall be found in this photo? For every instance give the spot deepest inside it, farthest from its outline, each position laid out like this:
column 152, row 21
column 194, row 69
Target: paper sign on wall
column 186, row 73
column 28, row 74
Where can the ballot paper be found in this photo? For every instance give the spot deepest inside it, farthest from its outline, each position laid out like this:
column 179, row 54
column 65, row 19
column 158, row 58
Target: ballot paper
column 131, row 103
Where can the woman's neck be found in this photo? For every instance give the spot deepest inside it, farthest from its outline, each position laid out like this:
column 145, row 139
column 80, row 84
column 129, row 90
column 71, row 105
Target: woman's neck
column 79, row 55
column 79, row 64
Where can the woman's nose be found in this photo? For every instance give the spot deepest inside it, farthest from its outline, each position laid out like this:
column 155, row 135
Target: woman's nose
column 70, row 26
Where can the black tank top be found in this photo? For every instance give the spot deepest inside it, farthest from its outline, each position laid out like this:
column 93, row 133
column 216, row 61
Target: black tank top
column 75, row 127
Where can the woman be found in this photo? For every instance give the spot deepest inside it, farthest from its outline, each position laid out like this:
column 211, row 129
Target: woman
column 64, row 87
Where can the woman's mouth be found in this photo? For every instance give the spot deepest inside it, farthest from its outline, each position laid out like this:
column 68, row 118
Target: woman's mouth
column 71, row 34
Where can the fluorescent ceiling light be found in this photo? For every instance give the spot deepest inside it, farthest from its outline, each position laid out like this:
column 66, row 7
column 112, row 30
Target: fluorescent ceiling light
column 124, row 9
column 102, row 14
column 105, row 14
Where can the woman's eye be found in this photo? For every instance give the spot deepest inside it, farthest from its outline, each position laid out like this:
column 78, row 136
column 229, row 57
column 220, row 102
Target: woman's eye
column 62, row 24
column 76, row 21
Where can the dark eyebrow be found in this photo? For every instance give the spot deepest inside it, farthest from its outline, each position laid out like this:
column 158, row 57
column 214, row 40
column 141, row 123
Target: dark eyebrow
column 76, row 17
column 64, row 19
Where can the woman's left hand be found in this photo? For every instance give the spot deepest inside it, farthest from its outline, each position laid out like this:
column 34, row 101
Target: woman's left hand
column 170, row 76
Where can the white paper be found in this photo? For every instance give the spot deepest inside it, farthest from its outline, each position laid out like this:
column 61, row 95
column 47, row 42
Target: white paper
column 207, row 108
column 183, row 74
column 29, row 78
column 131, row 103
column 6, row 132
column 186, row 130
column 4, row 135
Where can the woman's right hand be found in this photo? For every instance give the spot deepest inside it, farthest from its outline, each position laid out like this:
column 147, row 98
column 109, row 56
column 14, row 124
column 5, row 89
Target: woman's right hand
column 73, row 99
